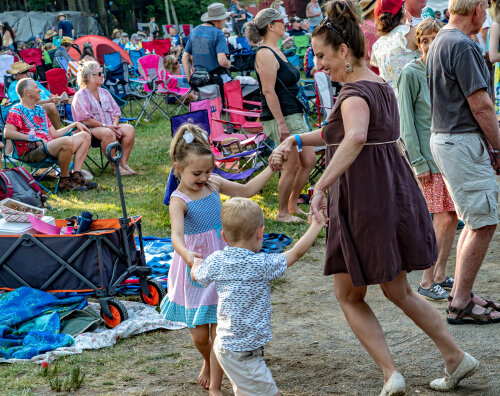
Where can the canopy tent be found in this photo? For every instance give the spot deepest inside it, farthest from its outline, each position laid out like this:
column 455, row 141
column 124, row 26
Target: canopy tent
column 33, row 23
column 101, row 46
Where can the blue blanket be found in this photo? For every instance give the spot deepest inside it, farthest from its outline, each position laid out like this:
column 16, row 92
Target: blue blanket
column 29, row 322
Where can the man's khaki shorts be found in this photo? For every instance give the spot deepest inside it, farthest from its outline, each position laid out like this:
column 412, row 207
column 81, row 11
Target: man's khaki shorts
column 247, row 371
column 296, row 124
column 464, row 162
column 36, row 155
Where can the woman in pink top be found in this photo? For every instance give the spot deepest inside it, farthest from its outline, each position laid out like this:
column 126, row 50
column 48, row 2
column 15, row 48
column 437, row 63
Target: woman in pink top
column 369, row 29
column 95, row 107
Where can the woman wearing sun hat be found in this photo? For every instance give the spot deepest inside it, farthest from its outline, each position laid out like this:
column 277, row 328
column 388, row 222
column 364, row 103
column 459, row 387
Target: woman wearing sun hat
column 207, row 47
column 369, row 29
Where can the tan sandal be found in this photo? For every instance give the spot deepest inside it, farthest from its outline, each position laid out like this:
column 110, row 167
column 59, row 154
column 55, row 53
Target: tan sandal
column 466, row 316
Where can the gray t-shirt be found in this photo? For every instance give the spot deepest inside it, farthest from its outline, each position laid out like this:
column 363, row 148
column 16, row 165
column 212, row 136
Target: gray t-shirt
column 455, row 70
column 205, row 42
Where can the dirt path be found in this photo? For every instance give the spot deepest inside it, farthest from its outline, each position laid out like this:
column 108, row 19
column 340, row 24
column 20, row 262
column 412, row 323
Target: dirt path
column 314, row 352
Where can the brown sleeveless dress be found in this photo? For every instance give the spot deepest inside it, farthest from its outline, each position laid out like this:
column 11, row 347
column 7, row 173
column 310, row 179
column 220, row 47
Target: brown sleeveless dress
column 379, row 222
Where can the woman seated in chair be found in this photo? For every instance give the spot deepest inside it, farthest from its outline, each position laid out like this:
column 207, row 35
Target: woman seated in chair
column 95, row 107
column 173, row 67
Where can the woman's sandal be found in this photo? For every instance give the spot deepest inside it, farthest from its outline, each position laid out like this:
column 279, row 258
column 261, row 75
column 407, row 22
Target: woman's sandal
column 466, row 316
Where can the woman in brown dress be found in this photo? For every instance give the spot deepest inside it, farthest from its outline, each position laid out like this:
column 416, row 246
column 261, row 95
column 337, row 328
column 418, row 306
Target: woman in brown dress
column 379, row 227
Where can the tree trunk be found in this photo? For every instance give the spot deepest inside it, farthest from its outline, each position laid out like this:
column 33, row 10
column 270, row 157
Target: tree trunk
column 72, row 5
column 174, row 14
column 85, row 6
column 167, row 11
column 103, row 17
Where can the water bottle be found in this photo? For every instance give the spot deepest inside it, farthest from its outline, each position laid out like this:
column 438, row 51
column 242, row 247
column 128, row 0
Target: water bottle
column 83, row 222
column 31, row 139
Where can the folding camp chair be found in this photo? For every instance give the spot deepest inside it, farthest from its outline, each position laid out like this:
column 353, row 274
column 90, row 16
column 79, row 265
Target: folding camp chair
column 234, row 161
column 301, row 44
column 6, row 62
column 235, row 107
column 134, row 57
column 39, row 170
column 118, row 83
column 58, row 82
column 160, row 83
column 324, row 96
column 148, row 46
column 32, row 56
column 112, row 61
column 161, row 47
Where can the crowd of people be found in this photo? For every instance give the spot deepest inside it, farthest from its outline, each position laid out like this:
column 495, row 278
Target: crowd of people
column 413, row 132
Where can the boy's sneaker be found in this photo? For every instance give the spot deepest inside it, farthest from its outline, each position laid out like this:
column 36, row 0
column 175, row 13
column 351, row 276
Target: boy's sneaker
column 447, row 284
column 67, row 184
column 433, row 293
column 79, row 178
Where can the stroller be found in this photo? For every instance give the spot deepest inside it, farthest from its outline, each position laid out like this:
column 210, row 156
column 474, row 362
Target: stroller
column 97, row 261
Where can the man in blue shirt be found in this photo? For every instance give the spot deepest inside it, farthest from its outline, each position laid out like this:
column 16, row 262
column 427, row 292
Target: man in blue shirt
column 207, row 47
column 48, row 101
column 65, row 27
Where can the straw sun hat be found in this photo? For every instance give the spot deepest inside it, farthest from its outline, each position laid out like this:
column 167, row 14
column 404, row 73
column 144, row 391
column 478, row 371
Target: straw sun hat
column 19, row 68
column 367, row 6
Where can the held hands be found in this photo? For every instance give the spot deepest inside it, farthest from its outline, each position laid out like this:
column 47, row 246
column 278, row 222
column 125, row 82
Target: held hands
column 318, row 223
column 318, row 207
column 193, row 258
column 280, row 154
column 425, row 177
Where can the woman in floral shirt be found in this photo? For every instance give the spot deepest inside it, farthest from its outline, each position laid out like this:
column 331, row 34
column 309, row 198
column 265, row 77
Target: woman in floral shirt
column 397, row 45
column 95, row 107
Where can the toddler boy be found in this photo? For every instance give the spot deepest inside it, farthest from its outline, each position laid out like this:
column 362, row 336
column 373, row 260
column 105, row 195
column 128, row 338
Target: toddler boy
column 242, row 278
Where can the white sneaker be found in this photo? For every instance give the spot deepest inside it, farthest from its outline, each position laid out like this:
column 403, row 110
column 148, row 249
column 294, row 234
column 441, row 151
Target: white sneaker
column 395, row 386
column 467, row 368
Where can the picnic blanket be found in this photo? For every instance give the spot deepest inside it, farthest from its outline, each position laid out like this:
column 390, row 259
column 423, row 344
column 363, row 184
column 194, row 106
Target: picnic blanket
column 30, row 324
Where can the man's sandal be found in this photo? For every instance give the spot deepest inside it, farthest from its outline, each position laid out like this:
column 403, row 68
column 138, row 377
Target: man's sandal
column 489, row 303
column 466, row 316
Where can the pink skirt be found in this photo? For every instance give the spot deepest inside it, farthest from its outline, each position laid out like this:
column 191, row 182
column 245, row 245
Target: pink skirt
column 436, row 195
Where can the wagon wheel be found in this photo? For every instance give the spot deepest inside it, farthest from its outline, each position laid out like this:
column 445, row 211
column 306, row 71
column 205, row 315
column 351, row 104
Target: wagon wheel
column 118, row 311
column 157, row 293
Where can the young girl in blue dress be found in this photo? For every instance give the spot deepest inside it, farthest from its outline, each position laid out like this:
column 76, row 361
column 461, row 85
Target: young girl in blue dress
column 195, row 211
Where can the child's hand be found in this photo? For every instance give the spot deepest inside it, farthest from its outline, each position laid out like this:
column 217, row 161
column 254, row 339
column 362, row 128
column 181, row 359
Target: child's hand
column 192, row 257
column 322, row 221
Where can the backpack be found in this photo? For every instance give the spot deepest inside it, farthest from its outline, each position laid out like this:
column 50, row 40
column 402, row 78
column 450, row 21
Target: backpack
column 18, row 184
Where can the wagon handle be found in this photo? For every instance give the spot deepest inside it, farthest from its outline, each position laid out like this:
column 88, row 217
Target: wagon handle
column 118, row 153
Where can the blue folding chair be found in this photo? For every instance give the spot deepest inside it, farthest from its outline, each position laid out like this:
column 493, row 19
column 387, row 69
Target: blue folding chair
column 112, row 61
column 134, row 57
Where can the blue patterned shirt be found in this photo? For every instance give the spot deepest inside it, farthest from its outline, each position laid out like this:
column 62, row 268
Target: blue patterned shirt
column 242, row 281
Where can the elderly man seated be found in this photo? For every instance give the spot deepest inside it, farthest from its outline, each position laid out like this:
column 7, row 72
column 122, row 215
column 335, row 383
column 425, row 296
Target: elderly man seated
column 26, row 116
column 48, row 101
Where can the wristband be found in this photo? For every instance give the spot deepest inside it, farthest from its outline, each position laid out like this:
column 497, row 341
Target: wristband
column 103, row 125
column 299, row 142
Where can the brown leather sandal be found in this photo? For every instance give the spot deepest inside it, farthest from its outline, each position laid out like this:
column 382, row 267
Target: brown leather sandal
column 466, row 316
column 489, row 303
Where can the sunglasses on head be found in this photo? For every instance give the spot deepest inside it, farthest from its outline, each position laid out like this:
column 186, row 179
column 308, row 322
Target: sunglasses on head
column 326, row 23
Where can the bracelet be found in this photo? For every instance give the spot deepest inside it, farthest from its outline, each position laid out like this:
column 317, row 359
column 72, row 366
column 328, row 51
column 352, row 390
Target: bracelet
column 317, row 193
column 299, row 142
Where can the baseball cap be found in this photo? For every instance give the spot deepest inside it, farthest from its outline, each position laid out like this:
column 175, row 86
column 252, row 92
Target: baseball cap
column 295, row 19
column 391, row 6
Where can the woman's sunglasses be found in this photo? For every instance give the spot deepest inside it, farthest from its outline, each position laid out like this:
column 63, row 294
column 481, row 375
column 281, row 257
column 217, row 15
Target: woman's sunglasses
column 97, row 74
column 326, row 23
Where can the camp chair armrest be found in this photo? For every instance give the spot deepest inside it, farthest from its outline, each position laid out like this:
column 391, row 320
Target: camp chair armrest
column 245, row 113
column 252, row 103
column 237, row 124
column 243, row 109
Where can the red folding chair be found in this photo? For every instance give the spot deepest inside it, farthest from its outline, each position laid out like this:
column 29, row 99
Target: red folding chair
column 30, row 56
column 233, row 98
column 58, row 82
column 161, row 47
column 186, row 29
column 148, row 46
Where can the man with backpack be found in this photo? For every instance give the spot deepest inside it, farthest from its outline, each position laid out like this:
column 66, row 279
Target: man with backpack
column 27, row 116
